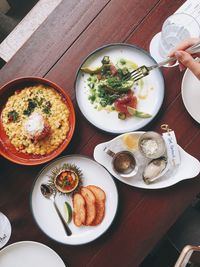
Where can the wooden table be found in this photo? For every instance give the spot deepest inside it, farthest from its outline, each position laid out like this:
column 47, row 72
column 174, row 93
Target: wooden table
column 55, row 51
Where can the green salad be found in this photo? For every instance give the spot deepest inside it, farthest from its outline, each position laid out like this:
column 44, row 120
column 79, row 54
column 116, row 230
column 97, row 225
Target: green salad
column 109, row 90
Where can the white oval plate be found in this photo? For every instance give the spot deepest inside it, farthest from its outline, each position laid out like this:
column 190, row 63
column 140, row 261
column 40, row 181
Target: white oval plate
column 46, row 216
column 188, row 168
column 29, row 254
column 109, row 122
column 191, row 94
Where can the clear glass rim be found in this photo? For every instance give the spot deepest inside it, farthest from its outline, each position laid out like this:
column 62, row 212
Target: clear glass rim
column 182, row 14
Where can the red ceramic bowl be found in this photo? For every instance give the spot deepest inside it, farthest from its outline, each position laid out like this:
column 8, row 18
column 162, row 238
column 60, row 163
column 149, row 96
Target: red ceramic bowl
column 8, row 150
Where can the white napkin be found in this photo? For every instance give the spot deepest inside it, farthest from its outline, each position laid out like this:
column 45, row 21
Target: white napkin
column 172, row 148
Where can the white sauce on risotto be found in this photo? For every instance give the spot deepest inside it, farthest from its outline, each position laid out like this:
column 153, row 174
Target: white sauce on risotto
column 34, row 124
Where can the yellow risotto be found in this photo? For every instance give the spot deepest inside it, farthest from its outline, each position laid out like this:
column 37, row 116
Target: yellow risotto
column 39, row 106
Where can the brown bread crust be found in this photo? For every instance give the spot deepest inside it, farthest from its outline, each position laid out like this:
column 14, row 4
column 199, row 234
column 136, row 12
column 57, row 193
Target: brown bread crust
column 90, row 205
column 79, row 212
column 100, row 197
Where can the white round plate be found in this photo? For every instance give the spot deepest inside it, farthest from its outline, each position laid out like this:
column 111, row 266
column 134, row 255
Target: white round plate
column 29, row 254
column 153, row 83
column 188, row 168
column 5, row 230
column 46, row 216
column 191, row 94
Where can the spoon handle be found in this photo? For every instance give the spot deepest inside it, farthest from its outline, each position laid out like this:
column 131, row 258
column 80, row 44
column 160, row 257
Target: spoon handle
column 65, row 225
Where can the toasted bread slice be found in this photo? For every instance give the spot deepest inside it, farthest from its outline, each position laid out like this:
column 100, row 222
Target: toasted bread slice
column 100, row 203
column 79, row 212
column 90, row 205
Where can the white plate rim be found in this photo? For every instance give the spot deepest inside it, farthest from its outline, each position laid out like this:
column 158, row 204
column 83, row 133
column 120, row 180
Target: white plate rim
column 32, row 243
column 183, row 88
column 99, row 165
column 115, row 45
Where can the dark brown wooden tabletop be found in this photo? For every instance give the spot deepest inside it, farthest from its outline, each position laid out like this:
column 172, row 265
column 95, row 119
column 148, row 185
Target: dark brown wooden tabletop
column 55, row 51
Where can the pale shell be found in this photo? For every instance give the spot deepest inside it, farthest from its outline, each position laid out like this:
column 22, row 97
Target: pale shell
column 154, row 169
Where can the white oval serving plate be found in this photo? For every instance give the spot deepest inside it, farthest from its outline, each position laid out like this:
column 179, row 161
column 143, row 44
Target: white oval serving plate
column 188, row 168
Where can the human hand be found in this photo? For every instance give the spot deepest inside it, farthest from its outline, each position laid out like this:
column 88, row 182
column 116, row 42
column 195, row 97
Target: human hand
column 185, row 59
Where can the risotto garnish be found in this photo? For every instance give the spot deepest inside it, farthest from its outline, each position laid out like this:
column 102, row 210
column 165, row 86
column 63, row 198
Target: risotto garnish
column 36, row 120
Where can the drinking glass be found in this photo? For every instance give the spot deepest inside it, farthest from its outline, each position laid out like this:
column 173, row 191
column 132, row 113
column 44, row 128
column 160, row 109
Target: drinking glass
column 176, row 28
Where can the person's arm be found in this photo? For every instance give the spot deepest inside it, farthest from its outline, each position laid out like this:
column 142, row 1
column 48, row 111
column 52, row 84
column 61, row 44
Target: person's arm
column 186, row 60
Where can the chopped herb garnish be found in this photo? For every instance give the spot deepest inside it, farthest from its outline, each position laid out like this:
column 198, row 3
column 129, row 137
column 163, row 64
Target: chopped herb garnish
column 103, row 102
column 39, row 101
column 92, row 98
column 66, row 181
column 46, row 110
column 91, row 85
column 13, row 116
column 31, row 106
column 122, row 61
column 114, row 82
column 47, row 107
column 105, row 71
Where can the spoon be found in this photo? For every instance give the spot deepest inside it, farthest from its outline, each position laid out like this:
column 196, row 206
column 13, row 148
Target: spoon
column 48, row 192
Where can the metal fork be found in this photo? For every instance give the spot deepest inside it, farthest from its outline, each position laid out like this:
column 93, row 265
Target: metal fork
column 143, row 71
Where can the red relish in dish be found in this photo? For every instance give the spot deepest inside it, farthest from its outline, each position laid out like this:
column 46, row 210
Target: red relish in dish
column 66, row 181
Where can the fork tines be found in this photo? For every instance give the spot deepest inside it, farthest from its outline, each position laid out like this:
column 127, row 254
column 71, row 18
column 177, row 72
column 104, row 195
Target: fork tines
column 137, row 74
